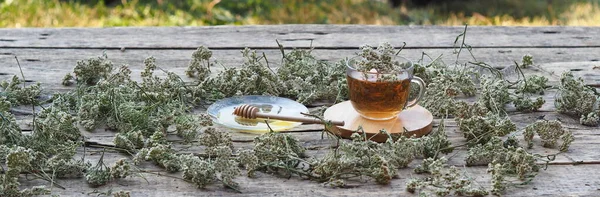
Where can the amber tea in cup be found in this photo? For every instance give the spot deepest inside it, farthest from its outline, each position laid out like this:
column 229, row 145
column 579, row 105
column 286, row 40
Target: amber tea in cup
column 382, row 95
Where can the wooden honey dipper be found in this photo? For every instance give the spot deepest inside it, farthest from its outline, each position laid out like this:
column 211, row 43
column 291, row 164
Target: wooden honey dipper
column 247, row 111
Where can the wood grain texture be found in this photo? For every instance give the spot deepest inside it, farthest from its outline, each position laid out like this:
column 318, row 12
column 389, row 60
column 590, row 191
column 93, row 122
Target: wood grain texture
column 47, row 54
column 321, row 36
column 583, row 180
column 48, row 66
column 558, row 181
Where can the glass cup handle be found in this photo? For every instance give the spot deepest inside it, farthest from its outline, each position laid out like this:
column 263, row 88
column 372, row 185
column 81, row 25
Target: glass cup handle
column 421, row 83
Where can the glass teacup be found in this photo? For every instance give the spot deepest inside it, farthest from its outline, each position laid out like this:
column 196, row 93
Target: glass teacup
column 382, row 95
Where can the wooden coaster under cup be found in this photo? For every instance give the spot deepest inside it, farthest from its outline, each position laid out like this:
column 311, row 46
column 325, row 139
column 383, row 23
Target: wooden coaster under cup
column 417, row 121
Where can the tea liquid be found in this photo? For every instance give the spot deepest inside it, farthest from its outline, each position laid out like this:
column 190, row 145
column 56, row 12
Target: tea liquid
column 378, row 99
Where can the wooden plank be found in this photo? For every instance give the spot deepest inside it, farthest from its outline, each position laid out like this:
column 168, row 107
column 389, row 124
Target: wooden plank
column 321, row 36
column 48, row 66
column 550, row 182
column 47, row 54
column 589, row 71
column 587, row 141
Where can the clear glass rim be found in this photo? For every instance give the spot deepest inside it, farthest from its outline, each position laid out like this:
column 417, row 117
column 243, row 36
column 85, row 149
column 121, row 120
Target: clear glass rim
column 347, row 62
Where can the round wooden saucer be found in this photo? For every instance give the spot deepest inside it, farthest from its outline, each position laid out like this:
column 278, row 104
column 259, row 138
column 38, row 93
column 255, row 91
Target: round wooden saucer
column 416, row 120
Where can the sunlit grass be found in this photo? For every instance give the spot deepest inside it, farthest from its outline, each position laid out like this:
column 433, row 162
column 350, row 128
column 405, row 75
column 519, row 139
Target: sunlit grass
column 94, row 13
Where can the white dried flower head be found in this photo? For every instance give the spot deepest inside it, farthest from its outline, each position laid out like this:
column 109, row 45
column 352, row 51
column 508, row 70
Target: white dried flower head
column 590, row 119
column 574, row 98
column 122, row 194
column 442, row 181
column 383, row 59
column 17, row 94
column 550, row 131
column 93, row 70
column 121, row 169
column 198, row 171
column 199, row 66
column 527, row 61
column 494, row 94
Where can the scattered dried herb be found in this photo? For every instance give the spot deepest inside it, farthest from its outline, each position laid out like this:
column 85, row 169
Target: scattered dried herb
column 443, row 180
column 504, row 161
column 199, row 67
column 362, row 157
column 575, row 99
column 13, row 92
column 276, row 153
column 382, row 60
column 444, row 85
column 550, row 131
column 308, row 79
column 91, row 71
column 144, row 113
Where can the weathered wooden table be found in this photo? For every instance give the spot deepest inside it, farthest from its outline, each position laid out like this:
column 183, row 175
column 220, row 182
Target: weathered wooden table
column 48, row 54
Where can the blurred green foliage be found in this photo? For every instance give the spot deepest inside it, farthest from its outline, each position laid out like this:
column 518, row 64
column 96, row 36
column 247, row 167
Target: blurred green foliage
column 100, row 13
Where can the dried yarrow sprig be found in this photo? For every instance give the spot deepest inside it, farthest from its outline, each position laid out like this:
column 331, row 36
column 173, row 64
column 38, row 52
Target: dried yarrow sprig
column 121, row 169
column 199, row 171
column 497, row 171
column 166, row 90
column 220, row 165
column 431, row 165
column 435, row 143
column 101, row 174
column 17, row 160
column 188, row 126
column 444, row 85
column 478, row 127
column 199, row 66
column 534, row 84
column 301, row 76
column 4, row 104
column 486, row 153
column 504, row 160
column 524, row 104
column 68, row 80
column 550, row 131
column 129, row 140
column 591, row 119
column 517, row 162
column 163, row 155
column 276, row 153
column 254, row 77
column 281, row 154
column 49, row 148
column 362, row 157
column 447, row 83
column 308, row 79
column 46, row 153
column 443, row 180
column 219, row 146
column 10, row 132
column 527, row 86
column 125, row 105
column 494, row 94
column 575, row 99
column 527, row 61
column 122, row 194
column 91, row 71
column 143, row 114
column 14, row 92
column 383, row 59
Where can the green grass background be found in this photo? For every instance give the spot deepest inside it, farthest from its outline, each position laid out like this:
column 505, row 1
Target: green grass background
column 98, row 13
